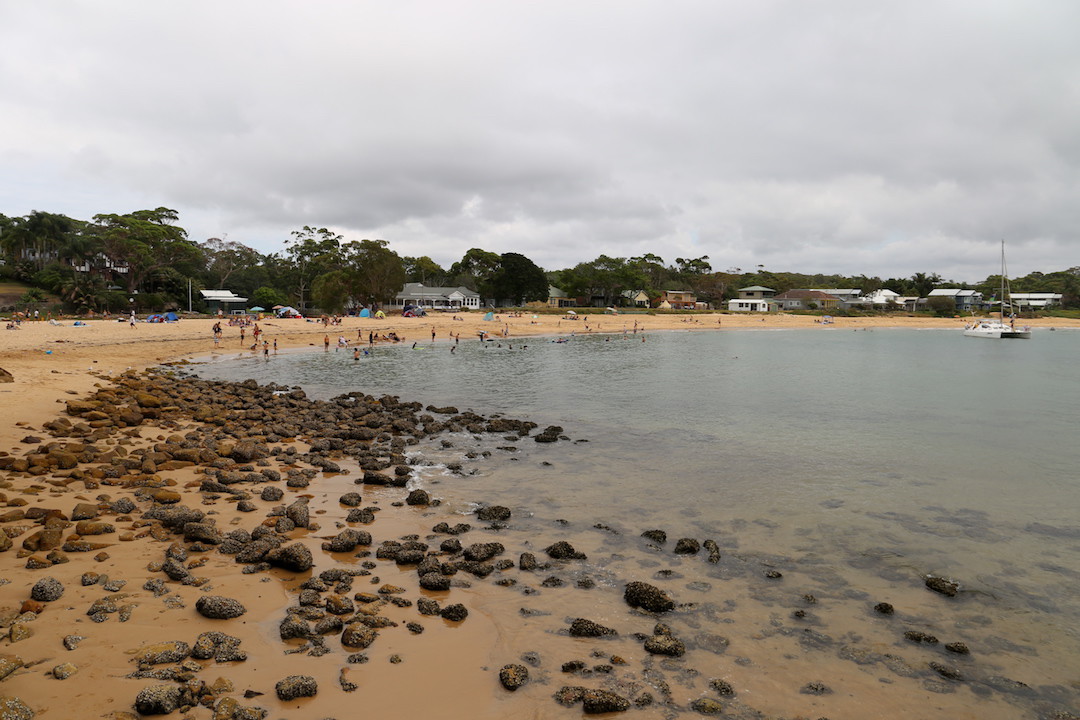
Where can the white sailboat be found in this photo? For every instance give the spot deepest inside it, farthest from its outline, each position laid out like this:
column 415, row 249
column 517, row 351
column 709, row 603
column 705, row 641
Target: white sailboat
column 999, row 329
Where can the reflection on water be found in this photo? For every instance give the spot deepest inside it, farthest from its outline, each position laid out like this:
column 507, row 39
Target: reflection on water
column 851, row 463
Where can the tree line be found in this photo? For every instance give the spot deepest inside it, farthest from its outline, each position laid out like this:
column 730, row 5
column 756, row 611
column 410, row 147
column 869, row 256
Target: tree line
column 107, row 261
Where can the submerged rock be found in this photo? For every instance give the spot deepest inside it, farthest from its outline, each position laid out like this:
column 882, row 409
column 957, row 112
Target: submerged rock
column 948, row 588
column 563, row 550
column 647, row 597
column 581, row 627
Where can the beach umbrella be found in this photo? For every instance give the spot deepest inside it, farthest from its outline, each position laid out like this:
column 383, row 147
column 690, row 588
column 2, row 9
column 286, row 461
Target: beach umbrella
column 257, row 309
column 571, row 312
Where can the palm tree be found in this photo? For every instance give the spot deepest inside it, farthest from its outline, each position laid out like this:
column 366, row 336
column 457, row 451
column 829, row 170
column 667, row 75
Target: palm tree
column 80, row 291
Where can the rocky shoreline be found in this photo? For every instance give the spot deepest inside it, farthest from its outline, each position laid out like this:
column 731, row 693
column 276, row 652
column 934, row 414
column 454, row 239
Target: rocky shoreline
column 176, row 466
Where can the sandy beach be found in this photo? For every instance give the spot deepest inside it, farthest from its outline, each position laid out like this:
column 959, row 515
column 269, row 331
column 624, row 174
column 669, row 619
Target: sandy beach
column 58, row 676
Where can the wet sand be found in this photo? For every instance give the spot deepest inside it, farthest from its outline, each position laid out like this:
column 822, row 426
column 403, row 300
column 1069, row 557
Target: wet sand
column 449, row 668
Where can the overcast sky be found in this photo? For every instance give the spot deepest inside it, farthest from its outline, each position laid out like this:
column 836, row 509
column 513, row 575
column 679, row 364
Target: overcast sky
column 850, row 136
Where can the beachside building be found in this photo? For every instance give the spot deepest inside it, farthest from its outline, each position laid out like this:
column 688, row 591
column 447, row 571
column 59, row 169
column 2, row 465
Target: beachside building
column 225, row 301
column 635, row 298
column 456, row 298
column 882, row 298
column 756, row 292
column 807, row 300
column 845, row 295
column 678, row 300
column 965, row 300
column 558, row 298
column 1036, row 300
column 750, row 305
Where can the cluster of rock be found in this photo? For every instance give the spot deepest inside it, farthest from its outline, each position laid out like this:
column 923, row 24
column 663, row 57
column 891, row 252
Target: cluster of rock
column 237, row 432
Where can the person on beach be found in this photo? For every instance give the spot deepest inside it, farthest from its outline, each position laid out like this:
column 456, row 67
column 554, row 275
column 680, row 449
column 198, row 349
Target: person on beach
column 241, row 335
column 266, row 349
column 356, row 353
column 131, row 320
column 275, row 346
column 326, row 343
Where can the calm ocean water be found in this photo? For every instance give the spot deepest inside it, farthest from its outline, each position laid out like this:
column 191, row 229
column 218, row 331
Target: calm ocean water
column 855, row 461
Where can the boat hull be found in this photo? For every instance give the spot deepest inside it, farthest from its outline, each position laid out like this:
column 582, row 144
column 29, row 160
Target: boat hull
column 994, row 331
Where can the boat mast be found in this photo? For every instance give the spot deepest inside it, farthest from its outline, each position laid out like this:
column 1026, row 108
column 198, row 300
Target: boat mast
column 1003, row 281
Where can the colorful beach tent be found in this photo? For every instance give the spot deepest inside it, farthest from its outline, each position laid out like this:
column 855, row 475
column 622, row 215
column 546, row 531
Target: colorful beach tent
column 365, row 313
column 171, row 317
column 489, row 316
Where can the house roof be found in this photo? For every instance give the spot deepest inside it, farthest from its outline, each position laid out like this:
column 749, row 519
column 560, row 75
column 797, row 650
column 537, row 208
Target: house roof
column 805, row 295
column 953, row 292
column 419, row 290
column 224, row 296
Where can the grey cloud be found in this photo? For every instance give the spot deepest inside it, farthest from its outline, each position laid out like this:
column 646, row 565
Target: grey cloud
column 840, row 136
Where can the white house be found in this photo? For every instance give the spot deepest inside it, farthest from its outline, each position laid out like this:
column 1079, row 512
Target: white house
column 1036, row 300
column 223, row 300
column 748, row 305
column 452, row 298
column 884, row 296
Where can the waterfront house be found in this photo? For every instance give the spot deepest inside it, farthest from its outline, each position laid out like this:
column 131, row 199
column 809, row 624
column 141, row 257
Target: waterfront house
column 558, row 298
column 442, row 298
column 756, row 292
column 807, row 300
column 882, row 297
column 224, row 300
column 966, row 300
column 1035, row 300
column 845, row 295
column 678, row 300
column 635, row 298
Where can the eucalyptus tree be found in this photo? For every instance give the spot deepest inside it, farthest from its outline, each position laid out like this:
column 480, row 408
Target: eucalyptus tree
column 423, row 270
column 475, row 270
column 226, row 259
column 379, row 271
column 142, row 242
column 312, row 252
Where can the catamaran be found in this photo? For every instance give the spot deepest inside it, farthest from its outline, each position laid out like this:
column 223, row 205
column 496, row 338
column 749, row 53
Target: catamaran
column 999, row 328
